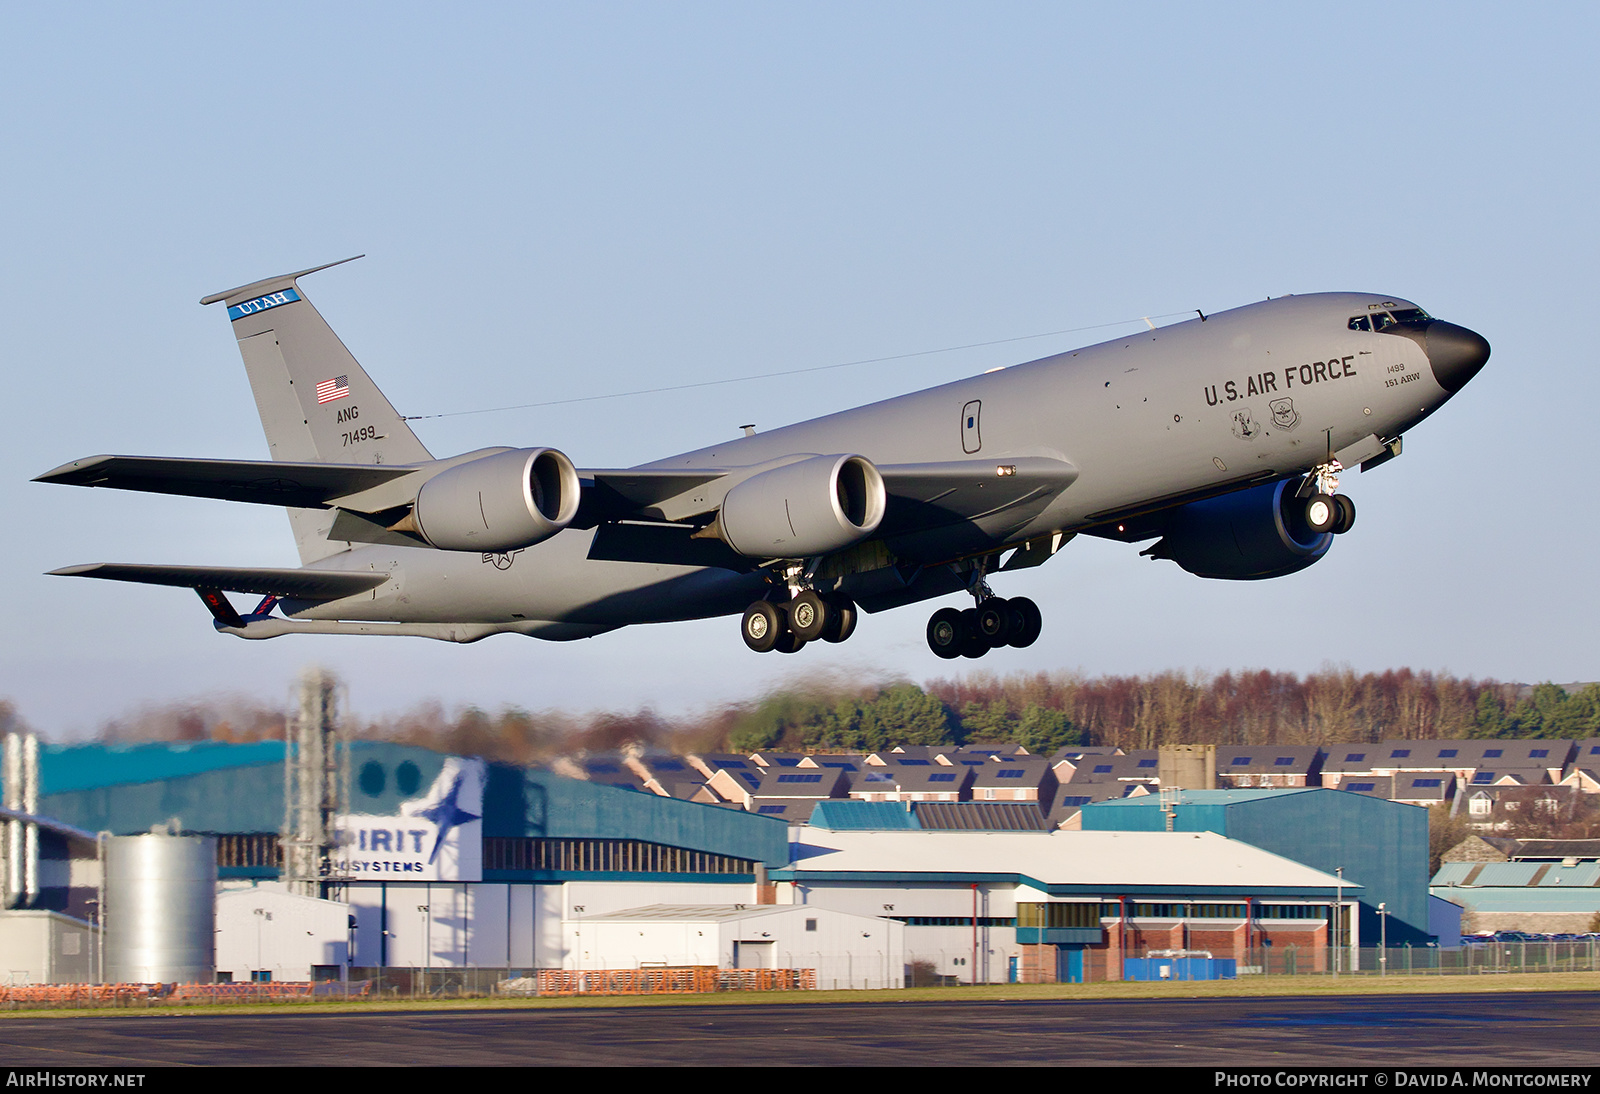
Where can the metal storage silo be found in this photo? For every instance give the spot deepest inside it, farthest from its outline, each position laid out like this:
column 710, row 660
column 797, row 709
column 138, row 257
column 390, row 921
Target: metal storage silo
column 160, row 916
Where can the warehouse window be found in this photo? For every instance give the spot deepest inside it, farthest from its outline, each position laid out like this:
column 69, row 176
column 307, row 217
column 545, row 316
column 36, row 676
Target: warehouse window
column 1290, row 911
column 604, row 855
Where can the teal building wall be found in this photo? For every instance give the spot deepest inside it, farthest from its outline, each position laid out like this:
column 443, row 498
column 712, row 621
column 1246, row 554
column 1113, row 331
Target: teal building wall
column 218, row 787
column 1381, row 845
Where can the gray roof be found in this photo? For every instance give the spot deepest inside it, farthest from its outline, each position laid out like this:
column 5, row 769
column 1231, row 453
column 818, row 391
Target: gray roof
column 982, row 816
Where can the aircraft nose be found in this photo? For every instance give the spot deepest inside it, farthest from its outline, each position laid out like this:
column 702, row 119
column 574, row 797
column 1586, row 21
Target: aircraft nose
column 1455, row 353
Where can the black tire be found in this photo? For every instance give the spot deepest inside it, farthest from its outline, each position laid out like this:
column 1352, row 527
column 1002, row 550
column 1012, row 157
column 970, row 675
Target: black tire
column 762, row 626
column 1347, row 514
column 994, row 622
column 946, row 635
column 841, row 620
column 1322, row 513
column 808, row 616
column 789, row 642
column 1029, row 621
column 974, row 644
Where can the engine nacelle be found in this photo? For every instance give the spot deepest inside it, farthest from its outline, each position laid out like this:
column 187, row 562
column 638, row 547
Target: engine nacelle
column 811, row 507
column 1243, row 536
column 502, row 502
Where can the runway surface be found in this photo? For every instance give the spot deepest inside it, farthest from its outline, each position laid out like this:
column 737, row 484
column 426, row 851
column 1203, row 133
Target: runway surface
column 1539, row 1029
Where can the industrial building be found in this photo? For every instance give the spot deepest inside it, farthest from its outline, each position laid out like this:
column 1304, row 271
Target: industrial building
column 1380, row 845
column 330, row 859
column 1043, row 907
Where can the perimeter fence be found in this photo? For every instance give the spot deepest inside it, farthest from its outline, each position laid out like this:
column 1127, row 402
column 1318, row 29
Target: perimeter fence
column 812, row 971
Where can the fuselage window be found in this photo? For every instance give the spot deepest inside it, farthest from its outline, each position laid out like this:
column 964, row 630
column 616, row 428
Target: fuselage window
column 1360, row 322
column 1410, row 315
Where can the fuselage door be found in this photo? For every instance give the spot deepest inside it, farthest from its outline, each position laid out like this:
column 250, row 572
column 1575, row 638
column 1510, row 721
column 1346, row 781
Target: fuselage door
column 970, row 439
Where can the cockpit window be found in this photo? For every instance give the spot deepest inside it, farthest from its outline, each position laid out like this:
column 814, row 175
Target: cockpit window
column 1410, row 315
column 1382, row 320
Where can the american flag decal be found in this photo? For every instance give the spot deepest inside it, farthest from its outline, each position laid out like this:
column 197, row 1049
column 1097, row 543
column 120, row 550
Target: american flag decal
column 336, row 388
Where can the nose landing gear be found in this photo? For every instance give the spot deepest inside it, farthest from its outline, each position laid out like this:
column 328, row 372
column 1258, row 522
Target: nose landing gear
column 1324, row 510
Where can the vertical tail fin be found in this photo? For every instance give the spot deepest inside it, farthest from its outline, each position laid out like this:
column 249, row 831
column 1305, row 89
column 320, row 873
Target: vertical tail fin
column 317, row 404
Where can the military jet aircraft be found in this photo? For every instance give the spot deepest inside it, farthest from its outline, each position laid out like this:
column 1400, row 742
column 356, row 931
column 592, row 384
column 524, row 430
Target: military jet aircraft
column 1219, row 438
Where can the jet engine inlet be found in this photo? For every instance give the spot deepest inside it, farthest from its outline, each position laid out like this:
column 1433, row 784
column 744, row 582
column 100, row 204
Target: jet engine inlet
column 811, row 507
column 502, row 502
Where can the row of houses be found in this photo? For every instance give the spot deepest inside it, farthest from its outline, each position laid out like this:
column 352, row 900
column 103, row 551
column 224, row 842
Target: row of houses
column 1488, row 779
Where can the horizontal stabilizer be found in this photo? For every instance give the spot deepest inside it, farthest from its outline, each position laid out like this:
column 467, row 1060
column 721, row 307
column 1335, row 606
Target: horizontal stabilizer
column 270, row 482
column 295, row 584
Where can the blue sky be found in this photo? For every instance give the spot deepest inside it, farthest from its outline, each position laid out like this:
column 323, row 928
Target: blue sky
column 562, row 201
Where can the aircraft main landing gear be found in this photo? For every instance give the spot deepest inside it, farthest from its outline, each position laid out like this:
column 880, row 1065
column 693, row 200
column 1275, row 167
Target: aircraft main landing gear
column 809, row 617
column 994, row 623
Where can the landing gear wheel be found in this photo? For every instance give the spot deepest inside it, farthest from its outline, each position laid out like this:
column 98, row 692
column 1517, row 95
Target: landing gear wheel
column 762, row 626
column 946, row 635
column 994, row 621
column 1322, row 513
column 789, row 642
column 841, row 622
column 808, row 616
column 1027, row 621
column 973, row 643
column 1347, row 514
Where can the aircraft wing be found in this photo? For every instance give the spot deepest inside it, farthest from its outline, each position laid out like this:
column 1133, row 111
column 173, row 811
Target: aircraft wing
column 296, row 584
column 648, row 516
column 271, row 482
column 927, row 495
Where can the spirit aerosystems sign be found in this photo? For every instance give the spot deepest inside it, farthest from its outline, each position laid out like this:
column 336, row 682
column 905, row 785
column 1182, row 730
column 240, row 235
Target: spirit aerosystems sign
column 437, row 837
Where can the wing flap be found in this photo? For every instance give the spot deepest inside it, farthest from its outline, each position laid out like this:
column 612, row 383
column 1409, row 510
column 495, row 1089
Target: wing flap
column 295, row 584
column 928, row 495
column 610, row 495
